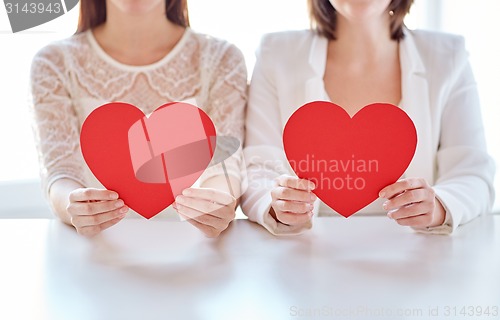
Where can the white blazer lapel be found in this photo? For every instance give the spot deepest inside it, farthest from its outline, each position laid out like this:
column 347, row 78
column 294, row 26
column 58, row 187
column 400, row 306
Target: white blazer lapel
column 416, row 103
column 415, row 97
column 314, row 86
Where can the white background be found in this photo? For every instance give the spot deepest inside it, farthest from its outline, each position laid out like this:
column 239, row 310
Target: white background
column 247, row 21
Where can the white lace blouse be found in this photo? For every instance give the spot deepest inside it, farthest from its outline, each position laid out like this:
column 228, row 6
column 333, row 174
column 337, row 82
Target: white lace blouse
column 72, row 77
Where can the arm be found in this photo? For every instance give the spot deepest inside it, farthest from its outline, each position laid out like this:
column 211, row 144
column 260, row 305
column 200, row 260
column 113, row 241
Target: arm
column 211, row 207
column 59, row 197
column 226, row 107
column 57, row 139
column 464, row 185
column 465, row 170
column 270, row 182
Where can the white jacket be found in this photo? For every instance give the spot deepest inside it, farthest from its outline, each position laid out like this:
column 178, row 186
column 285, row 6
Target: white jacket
column 438, row 92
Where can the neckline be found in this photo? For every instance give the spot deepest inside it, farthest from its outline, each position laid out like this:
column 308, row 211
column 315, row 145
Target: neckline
column 105, row 56
column 322, row 56
column 326, row 96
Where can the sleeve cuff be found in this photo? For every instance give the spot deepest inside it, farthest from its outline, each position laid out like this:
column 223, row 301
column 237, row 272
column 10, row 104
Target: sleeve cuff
column 47, row 183
column 446, row 228
column 275, row 227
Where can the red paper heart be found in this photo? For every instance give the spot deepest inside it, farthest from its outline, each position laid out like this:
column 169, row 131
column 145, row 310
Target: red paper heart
column 147, row 161
column 349, row 159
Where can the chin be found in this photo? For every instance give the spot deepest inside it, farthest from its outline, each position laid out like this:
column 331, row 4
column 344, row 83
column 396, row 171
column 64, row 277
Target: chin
column 138, row 7
column 358, row 10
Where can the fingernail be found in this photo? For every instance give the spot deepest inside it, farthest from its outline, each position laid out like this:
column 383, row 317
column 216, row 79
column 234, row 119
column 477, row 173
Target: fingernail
column 186, row 192
column 382, row 194
column 389, row 214
column 178, row 199
column 310, row 206
column 113, row 196
column 119, row 203
column 385, row 205
column 313, row 197
column 124, row 210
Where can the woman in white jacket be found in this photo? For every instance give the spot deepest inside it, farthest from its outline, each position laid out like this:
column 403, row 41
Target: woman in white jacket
column 358, row 53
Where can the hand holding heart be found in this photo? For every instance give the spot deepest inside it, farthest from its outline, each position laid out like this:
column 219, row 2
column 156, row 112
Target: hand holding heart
column 150, row 162
column 210, row 210
column 353, row 161
column 412, row 202
column 147, row 160
column 292, row 200
column 94, row 210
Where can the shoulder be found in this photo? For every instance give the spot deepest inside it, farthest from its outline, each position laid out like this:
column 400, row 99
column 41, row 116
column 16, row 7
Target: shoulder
column 216, row 49
column 69, row 45
column 54, row 55
column 220, row 59
column 295, row 38
column 443, row 56
column 439, row 51
column 297, row 41
column 437, row 41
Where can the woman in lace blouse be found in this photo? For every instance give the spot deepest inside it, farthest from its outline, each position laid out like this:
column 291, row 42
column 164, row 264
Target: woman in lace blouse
column 142, row 53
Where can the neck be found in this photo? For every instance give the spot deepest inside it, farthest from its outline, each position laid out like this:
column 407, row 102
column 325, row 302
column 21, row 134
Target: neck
column 363, row 40
column 130, row 35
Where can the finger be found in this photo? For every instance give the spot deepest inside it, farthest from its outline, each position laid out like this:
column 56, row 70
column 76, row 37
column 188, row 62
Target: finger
column 293, row 218
column 283, row 193
column 293, row 207
column 87, row 194
column 409, row 211
column 295, row 183
column 402, row 185
column 209, row 194
column 97, row 219
column 406, row 198
column 420, row 221
column 90, row 231
column 110, row 223
column 92, row 208
column 207, row 230
column 204, row 206
column 202, row 218
column 191, row 213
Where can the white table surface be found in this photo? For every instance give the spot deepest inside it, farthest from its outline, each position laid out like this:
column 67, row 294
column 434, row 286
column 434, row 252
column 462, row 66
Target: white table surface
column 367, row 267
